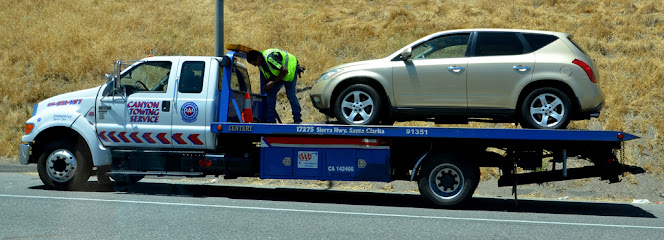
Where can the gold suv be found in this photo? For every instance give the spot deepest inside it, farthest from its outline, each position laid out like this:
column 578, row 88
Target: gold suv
column 537, row 78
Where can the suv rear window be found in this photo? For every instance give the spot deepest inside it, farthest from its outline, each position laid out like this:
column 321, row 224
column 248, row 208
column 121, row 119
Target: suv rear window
column 497, row 44
column 538, row 41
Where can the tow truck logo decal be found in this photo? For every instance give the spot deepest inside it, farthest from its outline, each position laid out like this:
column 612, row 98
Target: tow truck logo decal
column 147, row 137
column 189, row 112
column 162, row 138
column 135, row 138
column 101, row 134
column 194, row 139
column 65, row 103
column 178, row 138
column 143, row 111
column 122, row 136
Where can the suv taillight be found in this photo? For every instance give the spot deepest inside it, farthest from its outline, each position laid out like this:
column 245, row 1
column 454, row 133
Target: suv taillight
column 585, row 67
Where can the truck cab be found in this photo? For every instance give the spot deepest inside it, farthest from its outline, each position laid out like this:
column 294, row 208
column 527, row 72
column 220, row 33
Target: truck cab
column 166, row 103
column 156, row 104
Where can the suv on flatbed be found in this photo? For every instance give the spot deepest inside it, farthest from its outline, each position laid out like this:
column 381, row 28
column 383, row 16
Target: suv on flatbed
column 537, row 78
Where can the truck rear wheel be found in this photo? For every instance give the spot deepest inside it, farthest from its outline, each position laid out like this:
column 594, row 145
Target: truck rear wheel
column 447, row 180
column 64, row 165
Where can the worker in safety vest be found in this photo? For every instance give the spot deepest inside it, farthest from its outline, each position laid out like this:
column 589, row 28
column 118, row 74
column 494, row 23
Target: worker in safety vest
column 279, row 68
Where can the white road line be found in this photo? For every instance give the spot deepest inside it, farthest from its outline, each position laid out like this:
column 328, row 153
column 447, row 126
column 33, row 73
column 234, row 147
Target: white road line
column 336, row 212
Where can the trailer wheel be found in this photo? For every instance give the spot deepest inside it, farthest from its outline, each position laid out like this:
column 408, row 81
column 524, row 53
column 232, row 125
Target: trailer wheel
column 64, row 165
column 447, row 180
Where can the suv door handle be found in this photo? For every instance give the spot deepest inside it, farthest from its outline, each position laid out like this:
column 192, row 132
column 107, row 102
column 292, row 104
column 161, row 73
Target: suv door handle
column 455, row 69
column 522, row 68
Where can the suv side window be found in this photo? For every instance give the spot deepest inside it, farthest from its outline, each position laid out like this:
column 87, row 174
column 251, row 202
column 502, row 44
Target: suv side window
column 149, row 76
column 498, row 44
column 191, row 77
column 538, row 41
column 449, row 46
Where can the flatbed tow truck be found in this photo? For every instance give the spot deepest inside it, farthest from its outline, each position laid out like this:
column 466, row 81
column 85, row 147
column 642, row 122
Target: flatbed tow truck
column 128, row 130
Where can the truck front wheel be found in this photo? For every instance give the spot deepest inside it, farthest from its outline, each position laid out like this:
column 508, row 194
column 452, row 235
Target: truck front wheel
column 64, row 165
column 447, row 180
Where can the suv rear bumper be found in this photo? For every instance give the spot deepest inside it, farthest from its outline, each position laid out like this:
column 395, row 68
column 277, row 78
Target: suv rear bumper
column 593, row 113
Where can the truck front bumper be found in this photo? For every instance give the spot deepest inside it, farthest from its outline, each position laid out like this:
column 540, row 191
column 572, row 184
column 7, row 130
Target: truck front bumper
column 24, row 154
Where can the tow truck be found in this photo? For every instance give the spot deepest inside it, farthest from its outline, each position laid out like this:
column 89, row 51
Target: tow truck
column 197, row 116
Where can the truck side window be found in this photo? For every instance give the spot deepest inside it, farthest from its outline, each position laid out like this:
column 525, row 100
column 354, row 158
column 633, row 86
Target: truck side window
column 191, row 77
column 240, row 80
column 148, row 76
column 235, row 83
column 244, row 77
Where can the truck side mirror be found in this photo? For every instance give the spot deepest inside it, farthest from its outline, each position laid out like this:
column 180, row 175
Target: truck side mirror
column 109, row 77
column 406, row 54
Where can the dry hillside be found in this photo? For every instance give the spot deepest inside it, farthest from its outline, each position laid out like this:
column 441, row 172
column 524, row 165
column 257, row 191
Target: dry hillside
column 55, row 46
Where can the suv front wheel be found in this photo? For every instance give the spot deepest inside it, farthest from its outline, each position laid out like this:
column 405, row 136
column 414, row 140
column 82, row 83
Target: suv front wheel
column 358, row 104
column 546, row 108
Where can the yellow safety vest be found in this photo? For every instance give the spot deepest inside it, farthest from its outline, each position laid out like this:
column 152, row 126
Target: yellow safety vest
column 274, row 66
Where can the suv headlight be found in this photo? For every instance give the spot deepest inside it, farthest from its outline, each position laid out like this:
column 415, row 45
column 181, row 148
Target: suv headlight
column 328, row 75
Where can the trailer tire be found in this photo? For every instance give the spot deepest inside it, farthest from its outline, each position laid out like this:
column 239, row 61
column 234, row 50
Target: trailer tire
column 64, row 165
column 448, row 180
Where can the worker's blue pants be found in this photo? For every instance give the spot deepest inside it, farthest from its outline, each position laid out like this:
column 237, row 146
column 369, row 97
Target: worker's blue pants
column 292, row 98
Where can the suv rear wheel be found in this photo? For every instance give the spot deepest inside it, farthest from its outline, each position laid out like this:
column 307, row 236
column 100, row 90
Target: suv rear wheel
column 546, row 108
column 358, row 104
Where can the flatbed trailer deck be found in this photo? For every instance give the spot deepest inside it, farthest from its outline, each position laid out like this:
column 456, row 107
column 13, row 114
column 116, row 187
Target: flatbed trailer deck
column 445, row 161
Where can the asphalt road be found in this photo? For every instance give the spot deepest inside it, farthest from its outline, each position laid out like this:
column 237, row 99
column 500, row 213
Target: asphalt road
column 174, row 209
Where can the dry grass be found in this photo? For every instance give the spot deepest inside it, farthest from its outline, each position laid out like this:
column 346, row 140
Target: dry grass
column 52, row 47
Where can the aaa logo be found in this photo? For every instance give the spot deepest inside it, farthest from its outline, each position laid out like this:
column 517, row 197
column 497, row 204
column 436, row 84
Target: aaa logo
column 189, row 112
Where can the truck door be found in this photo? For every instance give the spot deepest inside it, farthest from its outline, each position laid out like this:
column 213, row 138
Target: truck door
column 192, row 111
column 137, row 111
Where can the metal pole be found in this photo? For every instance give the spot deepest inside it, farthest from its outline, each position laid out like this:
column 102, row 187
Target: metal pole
column 219, row 28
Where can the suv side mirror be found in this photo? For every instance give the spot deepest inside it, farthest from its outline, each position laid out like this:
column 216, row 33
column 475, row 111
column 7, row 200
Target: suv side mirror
column 406, row 54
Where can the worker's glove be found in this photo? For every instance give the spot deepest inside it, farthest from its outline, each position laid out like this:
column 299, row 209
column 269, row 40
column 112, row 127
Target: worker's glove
column 269, row 85
column 299, row 70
